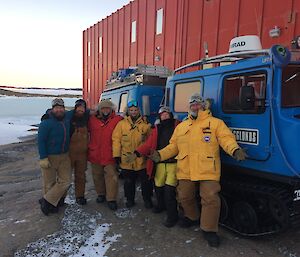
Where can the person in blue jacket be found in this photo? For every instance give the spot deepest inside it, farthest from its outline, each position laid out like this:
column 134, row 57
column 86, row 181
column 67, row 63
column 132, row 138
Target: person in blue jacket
column 53, row 145
column 78, row 147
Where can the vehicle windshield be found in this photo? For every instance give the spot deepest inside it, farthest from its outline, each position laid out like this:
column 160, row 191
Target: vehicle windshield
column 290, row 96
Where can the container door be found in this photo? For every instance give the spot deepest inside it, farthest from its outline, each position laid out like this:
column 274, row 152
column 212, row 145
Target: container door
column 246, row 111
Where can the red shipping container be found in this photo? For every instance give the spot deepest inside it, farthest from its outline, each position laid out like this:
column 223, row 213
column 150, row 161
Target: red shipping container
column 174, row 32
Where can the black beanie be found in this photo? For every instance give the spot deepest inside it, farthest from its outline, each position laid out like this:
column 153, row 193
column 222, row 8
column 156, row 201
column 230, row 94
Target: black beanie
column 80, row 102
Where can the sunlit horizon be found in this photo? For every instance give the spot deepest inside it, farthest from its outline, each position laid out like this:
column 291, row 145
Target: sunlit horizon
column 41, row 41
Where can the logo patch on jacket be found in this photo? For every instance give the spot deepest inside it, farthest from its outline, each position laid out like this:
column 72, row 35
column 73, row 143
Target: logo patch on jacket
column 206, row 138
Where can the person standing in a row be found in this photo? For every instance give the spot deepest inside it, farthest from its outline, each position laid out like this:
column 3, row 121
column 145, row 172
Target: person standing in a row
column 195, row 143
column 105, row 175
column 131, row 132
column 79, row 147
column 53, row 145
column 164, row 172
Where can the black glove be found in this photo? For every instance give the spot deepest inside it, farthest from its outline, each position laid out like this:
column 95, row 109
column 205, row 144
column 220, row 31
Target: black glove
column 155, row 156
column 130, row 157
column 117, row 160
column 137, row 154
column 240, row 154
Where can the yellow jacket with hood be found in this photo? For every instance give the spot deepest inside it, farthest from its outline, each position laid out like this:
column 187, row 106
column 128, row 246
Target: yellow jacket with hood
column 126, row 137
column 195, row 143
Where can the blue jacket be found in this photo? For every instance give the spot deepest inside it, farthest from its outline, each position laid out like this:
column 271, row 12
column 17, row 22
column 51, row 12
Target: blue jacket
column 54, row 136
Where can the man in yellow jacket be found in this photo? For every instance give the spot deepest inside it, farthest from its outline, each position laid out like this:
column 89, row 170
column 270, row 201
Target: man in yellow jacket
column 130, row 133
column 195, row 143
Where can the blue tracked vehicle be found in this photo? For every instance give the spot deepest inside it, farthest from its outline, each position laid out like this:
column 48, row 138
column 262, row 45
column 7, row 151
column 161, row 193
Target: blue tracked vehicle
column 144, row 83
column 257, row 93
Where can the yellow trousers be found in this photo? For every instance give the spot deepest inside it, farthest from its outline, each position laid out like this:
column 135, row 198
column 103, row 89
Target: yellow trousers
column 165, row 174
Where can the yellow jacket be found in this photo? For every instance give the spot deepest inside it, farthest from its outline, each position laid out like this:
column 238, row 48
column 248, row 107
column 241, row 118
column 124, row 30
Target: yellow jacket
column 195, row 143
column 126, row 137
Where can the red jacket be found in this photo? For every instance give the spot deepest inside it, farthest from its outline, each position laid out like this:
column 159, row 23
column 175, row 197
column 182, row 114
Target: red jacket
column 100, row 145
column 150, row 145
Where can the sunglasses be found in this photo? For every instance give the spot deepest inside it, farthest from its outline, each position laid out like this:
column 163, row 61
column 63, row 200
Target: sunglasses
column 132, row 103
column 194, row 101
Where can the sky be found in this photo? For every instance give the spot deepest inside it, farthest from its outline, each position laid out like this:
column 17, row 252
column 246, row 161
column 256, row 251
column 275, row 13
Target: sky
column 41, row 40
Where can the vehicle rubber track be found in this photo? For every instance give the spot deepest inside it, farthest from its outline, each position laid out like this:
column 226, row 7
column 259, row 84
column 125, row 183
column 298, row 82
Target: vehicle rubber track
column 251, row 207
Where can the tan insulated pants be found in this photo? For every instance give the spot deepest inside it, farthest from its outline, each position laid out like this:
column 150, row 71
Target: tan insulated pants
column 79, row 166
column 57, row 178
column 106, row 181
column 210, row 202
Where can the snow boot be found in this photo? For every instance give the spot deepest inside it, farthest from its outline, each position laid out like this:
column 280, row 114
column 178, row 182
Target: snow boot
column 171, row 206
column 129, row 203
column 47, row 207
column 81, row 200
column 185, row 222
column 101, row 199
column 61, row 202
column 148, row 204
column 112, row 205
column 160, row 206
column 212, row 238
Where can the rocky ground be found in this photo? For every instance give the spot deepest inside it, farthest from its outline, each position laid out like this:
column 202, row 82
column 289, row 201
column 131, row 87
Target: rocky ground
column 94, row 230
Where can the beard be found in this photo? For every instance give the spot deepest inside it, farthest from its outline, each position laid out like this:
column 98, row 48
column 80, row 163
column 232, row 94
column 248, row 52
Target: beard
column 79, row 114
column 59, row 116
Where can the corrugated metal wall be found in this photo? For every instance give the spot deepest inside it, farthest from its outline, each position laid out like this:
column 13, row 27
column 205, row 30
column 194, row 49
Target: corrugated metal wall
column 187, row 26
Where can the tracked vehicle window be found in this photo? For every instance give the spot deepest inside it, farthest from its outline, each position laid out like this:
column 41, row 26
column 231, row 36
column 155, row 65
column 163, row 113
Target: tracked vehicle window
column 183, row 91
column 123, row 102
column 244, row 94
column 290, row 96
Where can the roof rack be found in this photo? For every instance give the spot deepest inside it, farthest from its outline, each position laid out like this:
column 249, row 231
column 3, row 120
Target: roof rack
column 152, row 70
column 140, row 74
column 229, row 57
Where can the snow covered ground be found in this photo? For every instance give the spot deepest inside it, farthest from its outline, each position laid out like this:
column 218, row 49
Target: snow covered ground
column 45, row 91
column 17, row 114
column 14, row 129
column 82, row 234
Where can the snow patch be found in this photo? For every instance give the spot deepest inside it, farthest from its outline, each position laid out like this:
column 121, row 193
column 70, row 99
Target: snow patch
column 12, row 131
column 125, row 213
column 69, row 200
column 97, row 245
column 81, row 235
column 190, row 241
column 20, row 221
column 286, row 252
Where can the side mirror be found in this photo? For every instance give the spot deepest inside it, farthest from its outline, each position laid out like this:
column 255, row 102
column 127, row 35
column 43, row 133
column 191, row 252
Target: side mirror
column 247, row 98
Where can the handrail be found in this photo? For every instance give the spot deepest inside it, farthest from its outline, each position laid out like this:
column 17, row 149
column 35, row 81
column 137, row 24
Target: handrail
column 225, row 57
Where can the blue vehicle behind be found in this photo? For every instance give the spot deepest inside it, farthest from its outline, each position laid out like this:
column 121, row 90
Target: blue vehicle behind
column 257, row 93
column 145, row 84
